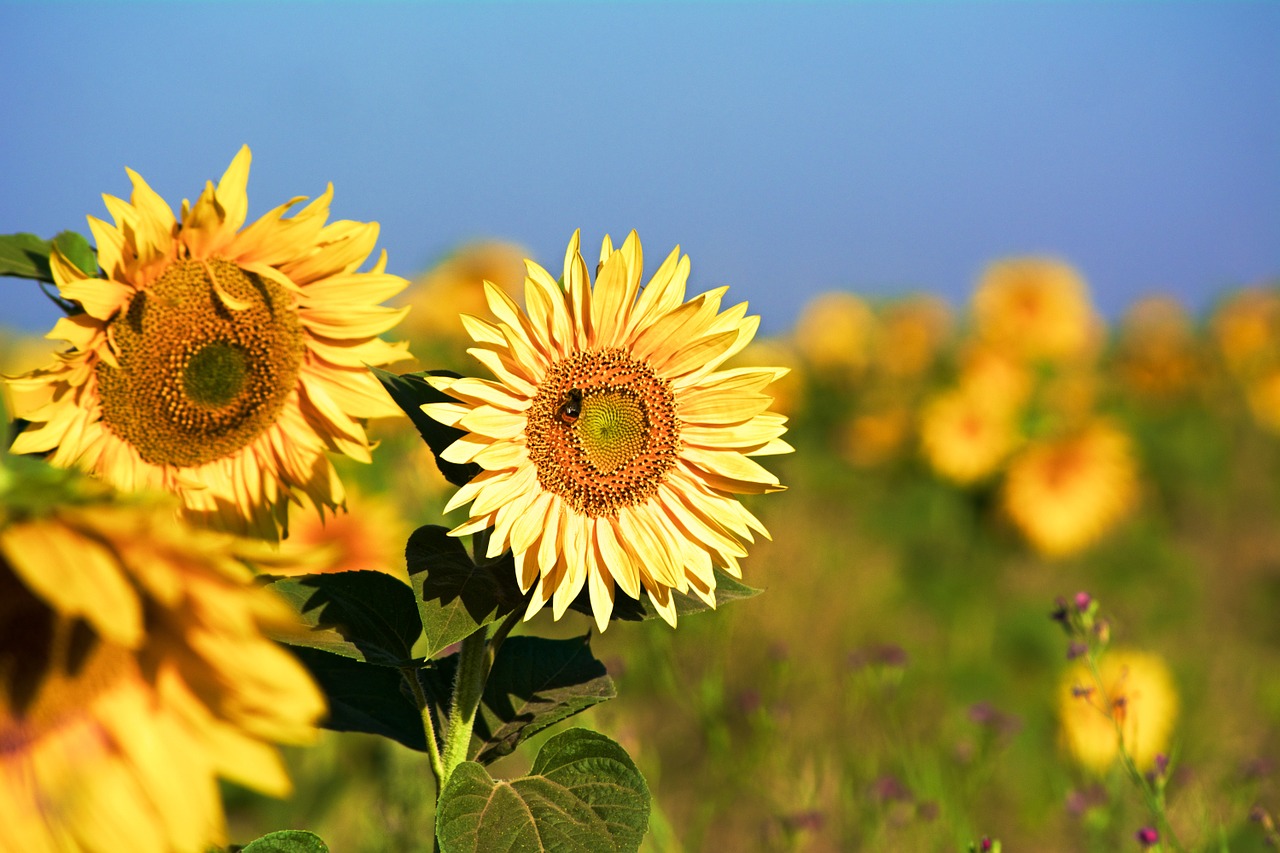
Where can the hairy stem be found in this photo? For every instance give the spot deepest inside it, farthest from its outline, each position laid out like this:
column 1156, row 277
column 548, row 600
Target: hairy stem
column 410, row 676
column 468, row 687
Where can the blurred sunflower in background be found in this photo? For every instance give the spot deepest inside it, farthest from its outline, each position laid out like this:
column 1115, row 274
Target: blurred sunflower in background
column 134, row 671
column 965, row 438
column 1158, row 356
column 1136, row 693
column 1064, row 492
column 1246, row 329
column 1037, row 309
column 455, row 286
column 911, row 334
column 835, row 334
column 216, row 362
column 612, row 443
column 369, row 537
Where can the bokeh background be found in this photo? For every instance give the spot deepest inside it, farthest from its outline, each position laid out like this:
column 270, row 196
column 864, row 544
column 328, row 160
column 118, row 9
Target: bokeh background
column 853, row 171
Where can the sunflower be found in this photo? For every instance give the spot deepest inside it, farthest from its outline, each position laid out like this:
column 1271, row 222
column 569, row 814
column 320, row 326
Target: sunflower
column 964, row 437
column 835, row 333
column 1064, row 493
column 611, row 443
column 1035, row 308
column 1136, row 691
column 912, row 331
column 215, row 362
column 1246, row 327
column 455, row 286
column 370, row 537
column 134, row 672
column 1158, row 356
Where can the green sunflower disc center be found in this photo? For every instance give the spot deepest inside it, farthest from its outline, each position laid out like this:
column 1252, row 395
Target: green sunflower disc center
column 612, row 429
column 215, row 374
column 602, row 431
column 207, row 357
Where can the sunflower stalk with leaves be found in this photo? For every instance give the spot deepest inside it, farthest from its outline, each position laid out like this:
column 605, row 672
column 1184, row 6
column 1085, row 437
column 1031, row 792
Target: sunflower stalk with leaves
column 601, row 468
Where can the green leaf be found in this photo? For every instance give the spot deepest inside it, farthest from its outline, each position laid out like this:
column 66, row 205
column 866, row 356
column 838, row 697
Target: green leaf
column 76, row 248
column 25, row 256
column 410, row 391
column 583, row 795
column 627, row 609
column 287, row 841
column 535, row 683
column 368, row 616
column 365, row 698
column 455, row 596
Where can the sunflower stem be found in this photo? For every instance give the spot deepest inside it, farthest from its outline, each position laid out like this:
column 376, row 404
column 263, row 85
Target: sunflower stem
column 468, row 687
column 410, row 675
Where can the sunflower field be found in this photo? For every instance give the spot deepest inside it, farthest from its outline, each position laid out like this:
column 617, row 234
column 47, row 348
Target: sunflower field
column 1017, row 585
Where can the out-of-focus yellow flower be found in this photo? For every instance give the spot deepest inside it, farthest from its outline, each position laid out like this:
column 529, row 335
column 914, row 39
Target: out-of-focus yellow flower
column 1158, row 357
column 134, row 672
column 964, row 437
column 993, row 379
column 872, row 439
column 1136, row 691
column 1036, row 308
column 834, row 334
column 1065, row 493
column 369, row 537
column 911, row 332
column 613, row 441
column 1263, row 394
column 455, row 286
column 1247, row 329
column 217, row 362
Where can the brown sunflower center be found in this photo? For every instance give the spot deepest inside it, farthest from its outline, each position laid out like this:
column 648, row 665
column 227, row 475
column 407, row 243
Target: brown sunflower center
column 602, row 431
column 207, row 358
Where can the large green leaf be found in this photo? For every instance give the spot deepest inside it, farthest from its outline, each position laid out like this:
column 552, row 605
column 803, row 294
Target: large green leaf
column 584, row 794
column 410, row 391
column 286, row 841
column 455, row 596
column 534, row 683
column 27, row 256
column 365, row 698
column 368, row 616
column 627, row 609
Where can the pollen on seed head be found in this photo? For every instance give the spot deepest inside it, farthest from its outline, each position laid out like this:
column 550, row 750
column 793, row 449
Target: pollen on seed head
column 622, row 440
column 197, row 381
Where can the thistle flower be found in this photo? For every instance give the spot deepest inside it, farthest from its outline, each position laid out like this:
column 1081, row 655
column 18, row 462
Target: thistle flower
column 1136, row 692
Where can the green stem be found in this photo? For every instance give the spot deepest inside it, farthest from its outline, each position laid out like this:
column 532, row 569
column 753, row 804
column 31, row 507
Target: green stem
column 410, row 675
column 1154, row 800
column 468, row 687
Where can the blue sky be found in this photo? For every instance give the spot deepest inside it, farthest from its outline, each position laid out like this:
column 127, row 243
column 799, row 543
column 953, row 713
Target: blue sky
column 789, row 148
